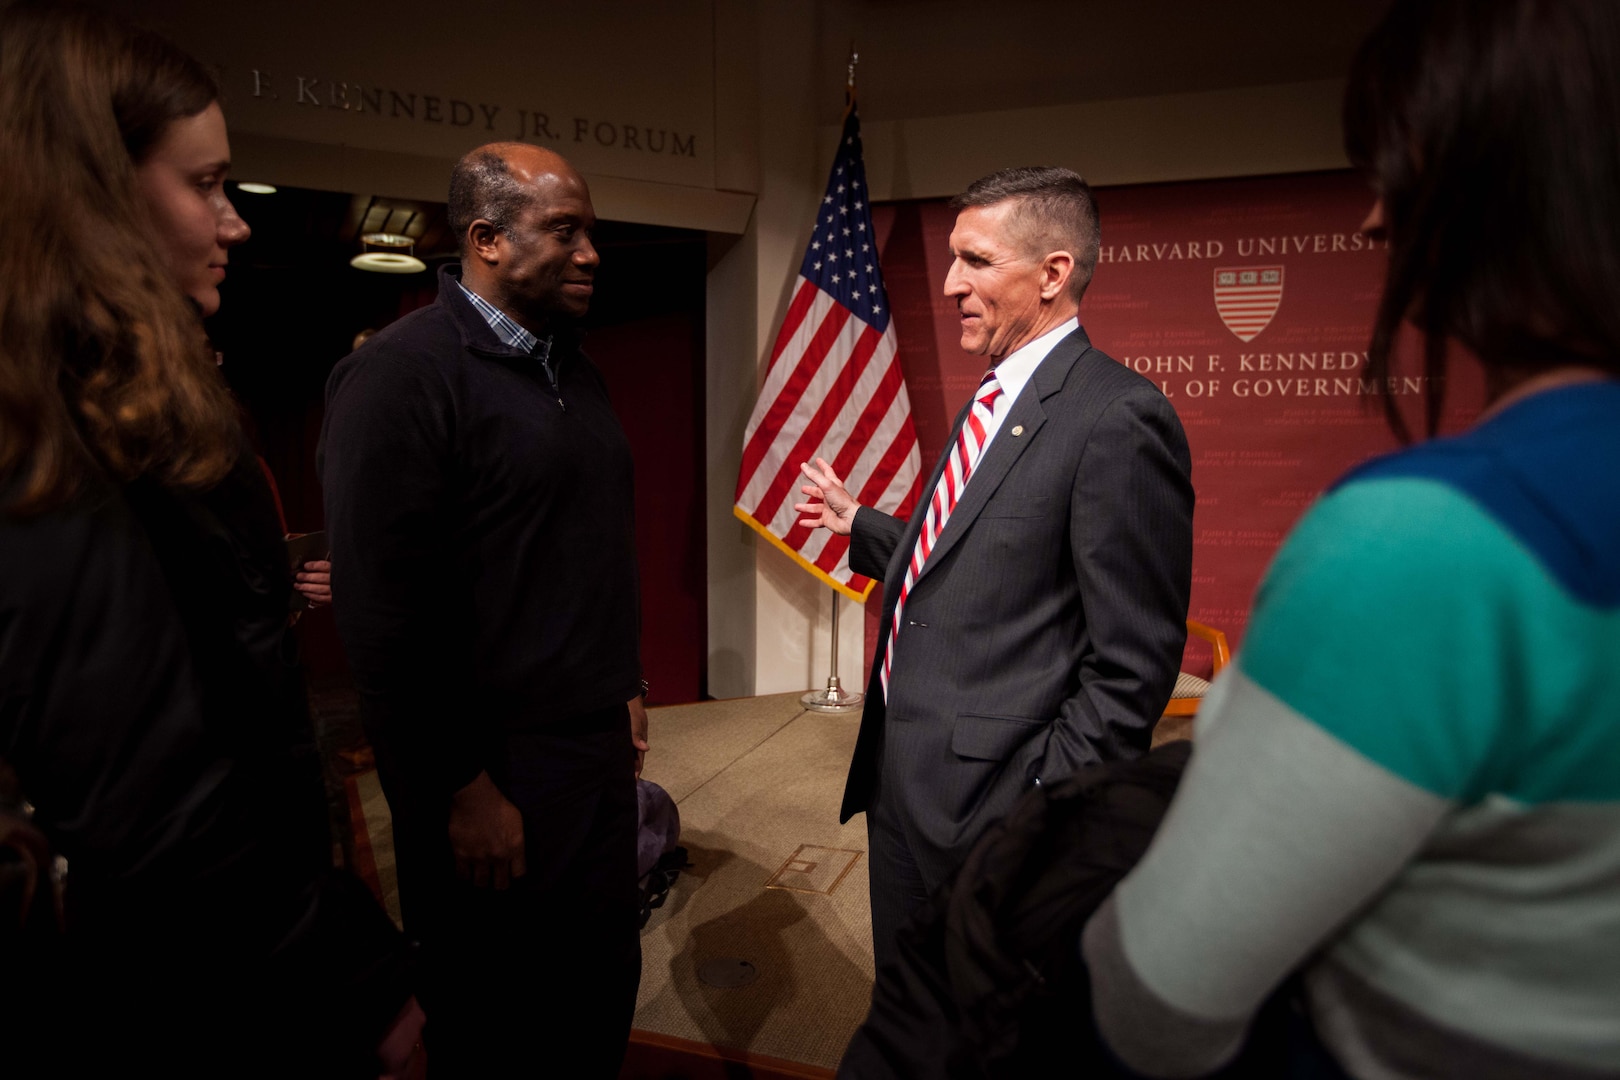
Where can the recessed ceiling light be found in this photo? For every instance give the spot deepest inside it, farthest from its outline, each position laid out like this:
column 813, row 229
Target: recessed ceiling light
column 388, row 253
column 253, row 188
column 388, row 262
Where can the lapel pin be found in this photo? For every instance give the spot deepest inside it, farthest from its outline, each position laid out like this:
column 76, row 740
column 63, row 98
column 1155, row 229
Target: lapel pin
column 1018, row 430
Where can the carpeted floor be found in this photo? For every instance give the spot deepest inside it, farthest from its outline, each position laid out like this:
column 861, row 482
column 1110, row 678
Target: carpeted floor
column 775, row 882
column 373, row 851
column 764, row 945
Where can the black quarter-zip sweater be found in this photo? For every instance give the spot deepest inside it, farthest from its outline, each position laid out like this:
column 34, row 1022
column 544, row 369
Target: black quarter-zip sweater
column 483, row 542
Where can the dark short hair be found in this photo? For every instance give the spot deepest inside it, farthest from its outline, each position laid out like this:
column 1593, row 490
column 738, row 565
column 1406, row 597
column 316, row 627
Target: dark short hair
column 1055, row 212
column 1487, row 129
column 482, row 186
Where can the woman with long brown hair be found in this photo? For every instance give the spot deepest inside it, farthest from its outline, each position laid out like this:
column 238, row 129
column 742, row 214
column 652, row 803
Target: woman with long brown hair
column 149, row 701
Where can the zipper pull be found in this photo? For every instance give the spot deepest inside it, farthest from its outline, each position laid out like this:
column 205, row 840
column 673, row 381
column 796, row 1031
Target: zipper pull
column 556, row 387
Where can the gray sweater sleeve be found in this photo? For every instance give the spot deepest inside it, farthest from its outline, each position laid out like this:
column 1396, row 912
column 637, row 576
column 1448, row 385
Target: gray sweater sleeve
column 1278, row 835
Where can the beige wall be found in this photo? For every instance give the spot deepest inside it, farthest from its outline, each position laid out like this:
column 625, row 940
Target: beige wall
column 1256, row 130
column 746, row 94
column 381, row 98
column 769, row 621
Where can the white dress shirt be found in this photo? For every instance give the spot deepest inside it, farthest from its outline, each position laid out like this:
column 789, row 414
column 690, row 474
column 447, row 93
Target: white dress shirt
column 1014, row 371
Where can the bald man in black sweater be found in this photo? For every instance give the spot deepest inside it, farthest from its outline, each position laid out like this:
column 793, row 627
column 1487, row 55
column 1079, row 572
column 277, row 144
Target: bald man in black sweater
column 479, row 501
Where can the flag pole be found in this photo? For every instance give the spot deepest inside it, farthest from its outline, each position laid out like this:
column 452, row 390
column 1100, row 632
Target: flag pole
column 849, row 87
column 835, row 699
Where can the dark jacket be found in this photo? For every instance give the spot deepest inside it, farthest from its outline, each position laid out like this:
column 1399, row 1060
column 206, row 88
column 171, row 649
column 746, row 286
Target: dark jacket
column 1046, row 628
column 482, row 532
column 148, row 695
column 989, row 981
column 153, row 710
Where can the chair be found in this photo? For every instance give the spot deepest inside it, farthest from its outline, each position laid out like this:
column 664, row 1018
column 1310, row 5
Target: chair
column 1190, row 689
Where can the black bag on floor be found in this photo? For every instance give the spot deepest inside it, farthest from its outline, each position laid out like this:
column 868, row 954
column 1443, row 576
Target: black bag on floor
column 990, row 982
column 659, row 860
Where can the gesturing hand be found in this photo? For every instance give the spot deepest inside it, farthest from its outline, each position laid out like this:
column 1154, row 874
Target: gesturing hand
column 486, row 835
column 830, row 506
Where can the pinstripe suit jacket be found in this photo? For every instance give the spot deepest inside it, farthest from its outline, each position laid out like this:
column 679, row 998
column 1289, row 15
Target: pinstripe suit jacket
column 1046, row 629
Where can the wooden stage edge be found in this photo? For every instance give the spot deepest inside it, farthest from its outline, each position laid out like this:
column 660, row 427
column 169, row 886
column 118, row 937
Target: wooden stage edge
column 652, row 1056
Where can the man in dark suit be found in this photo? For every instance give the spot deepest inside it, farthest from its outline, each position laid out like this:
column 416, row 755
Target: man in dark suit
column 1035, row 607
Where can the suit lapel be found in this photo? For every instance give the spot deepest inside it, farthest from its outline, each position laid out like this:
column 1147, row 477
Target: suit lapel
column 1029, row 414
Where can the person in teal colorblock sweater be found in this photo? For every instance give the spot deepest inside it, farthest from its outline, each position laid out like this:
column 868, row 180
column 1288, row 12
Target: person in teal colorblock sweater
column 1406, row 790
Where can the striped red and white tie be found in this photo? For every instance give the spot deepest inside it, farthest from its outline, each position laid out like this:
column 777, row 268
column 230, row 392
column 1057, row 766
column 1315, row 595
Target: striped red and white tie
column 970, row 440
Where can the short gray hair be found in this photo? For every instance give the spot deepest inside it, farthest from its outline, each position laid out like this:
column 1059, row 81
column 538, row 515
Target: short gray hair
column 482, row 186
column 1055, row 212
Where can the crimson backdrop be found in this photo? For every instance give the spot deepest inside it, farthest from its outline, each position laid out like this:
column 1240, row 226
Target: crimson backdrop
column 1271, row 420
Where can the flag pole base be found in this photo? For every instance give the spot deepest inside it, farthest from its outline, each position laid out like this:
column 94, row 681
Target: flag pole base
column 834, row 699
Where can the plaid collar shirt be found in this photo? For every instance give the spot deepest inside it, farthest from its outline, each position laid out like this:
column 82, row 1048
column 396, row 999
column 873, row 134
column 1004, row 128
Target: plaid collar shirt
column 509, row 331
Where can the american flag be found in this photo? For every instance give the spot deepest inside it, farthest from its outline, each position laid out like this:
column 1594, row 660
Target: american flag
column 834, row 388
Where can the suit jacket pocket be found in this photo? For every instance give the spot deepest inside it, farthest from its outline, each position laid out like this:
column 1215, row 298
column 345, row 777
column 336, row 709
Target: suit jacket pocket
column 991, row 738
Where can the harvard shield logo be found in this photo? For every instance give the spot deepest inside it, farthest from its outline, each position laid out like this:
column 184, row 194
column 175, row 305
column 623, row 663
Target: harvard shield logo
column 1247, row 297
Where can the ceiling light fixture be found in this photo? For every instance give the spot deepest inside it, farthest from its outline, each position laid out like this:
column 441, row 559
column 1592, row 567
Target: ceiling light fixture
column 387, row 253
column 255, row 188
